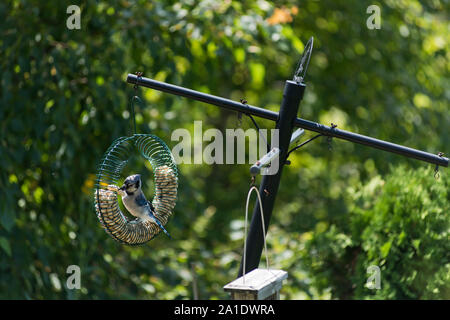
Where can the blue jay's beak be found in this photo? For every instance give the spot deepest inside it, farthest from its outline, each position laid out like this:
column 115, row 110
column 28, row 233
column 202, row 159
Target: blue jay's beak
column 122, row 187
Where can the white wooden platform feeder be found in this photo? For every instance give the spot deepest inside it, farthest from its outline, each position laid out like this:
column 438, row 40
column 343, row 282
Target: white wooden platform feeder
column 259, row 284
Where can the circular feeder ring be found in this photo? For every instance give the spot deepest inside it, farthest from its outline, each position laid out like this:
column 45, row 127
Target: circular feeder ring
column 116, row 224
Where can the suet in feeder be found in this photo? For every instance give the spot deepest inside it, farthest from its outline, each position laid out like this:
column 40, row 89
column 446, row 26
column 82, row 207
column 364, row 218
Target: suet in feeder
column 259, row 284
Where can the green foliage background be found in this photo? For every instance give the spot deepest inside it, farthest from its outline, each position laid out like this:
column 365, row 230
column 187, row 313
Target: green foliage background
column 63, row 100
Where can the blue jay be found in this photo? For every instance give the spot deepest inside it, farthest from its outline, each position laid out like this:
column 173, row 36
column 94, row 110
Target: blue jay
column 135, row 202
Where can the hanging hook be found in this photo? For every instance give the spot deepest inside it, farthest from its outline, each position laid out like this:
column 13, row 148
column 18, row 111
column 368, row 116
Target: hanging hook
column 133, row 115
column 437, row 175
column 239, row 114
column 329, row 139
column 135, row 97
column 139, row 77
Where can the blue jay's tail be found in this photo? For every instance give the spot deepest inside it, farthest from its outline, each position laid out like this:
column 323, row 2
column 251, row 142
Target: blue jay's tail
column 160, row 225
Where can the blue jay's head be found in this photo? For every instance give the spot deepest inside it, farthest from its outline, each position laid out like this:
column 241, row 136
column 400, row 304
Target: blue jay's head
column 132, row 184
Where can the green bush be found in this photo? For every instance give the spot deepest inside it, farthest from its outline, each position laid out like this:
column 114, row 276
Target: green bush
column 401, row 225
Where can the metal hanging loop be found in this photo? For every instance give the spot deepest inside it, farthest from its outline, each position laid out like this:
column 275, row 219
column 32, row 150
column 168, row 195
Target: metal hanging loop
column 134, row 98
column 253, row 187
column 133, row 113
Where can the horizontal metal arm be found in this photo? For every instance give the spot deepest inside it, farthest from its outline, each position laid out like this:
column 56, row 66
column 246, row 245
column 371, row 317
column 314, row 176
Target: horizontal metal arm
column 204, row 97
column 300, row 123
column 372, row 142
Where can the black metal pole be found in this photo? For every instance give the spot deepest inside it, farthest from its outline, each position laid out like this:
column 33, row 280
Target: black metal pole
column 300, row 123
column 292, row 95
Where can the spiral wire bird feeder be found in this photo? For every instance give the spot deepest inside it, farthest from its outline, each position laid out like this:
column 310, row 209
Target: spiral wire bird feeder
column 116, row 224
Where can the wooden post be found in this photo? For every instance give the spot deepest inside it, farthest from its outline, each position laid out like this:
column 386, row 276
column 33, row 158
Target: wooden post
column 259, row 284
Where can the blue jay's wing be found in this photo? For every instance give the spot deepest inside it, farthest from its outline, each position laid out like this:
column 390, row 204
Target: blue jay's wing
column 140, row 200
